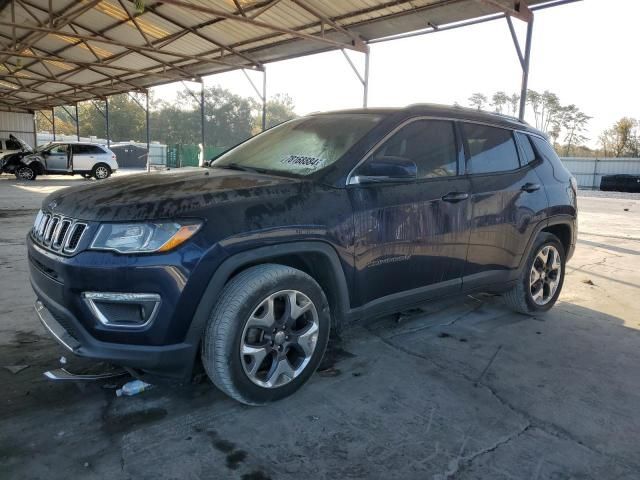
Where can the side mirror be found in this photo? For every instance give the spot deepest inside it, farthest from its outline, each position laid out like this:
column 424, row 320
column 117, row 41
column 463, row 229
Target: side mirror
column 385, row 170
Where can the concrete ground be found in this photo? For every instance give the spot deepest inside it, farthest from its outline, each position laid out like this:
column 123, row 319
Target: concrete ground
column 458, row 389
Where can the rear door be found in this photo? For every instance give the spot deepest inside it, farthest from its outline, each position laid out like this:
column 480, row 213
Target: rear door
column 507, row 202
column 411, row 237
column 83, row 158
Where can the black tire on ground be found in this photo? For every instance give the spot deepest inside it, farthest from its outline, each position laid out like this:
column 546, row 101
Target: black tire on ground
column 26, row 173
column 101, row 171
column 520, row 297
column 225, row 332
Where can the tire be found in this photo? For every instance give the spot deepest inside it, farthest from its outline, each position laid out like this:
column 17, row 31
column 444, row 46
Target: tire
column 241, row 318
column 525, row 297
column 101, row 171
column 26, row 173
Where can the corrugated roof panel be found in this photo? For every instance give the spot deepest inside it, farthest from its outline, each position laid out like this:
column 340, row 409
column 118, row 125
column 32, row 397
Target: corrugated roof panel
column 164, row 25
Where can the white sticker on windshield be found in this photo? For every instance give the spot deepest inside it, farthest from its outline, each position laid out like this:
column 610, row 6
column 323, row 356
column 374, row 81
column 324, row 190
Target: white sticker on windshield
column 303, row 161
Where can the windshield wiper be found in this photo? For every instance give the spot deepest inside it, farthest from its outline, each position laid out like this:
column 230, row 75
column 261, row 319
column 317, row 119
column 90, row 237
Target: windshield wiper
column 242, row 168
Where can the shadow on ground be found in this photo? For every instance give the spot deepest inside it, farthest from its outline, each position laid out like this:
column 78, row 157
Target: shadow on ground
column 459, row 389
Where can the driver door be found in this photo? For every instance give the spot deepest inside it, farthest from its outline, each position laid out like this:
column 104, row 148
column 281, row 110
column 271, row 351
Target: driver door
column 411, row 236
column 56, row 158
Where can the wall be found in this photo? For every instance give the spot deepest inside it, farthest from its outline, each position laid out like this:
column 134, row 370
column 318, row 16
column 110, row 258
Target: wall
column 19, row 124
column 589, row 171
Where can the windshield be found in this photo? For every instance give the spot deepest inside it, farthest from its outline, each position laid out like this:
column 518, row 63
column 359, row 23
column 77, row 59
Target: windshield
column 300, row 147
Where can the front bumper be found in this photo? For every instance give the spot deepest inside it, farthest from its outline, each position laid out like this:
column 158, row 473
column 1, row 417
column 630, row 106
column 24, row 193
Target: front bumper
column 163, row 349
column 171, row 361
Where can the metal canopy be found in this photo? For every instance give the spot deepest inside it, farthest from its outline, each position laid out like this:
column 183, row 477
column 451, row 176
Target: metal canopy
column 65, row 51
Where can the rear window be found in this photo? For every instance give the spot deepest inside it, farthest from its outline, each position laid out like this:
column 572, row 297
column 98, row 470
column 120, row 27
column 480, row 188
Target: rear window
column 527, row 150
column 491, row 149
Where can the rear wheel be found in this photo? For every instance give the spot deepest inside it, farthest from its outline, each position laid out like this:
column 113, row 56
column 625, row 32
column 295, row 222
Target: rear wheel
column 267, row 334
column 541, row 279
column 26, row 173
column 101, row 171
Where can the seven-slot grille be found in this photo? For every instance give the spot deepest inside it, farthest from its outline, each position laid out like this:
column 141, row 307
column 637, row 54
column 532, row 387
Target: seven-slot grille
column 59, row 233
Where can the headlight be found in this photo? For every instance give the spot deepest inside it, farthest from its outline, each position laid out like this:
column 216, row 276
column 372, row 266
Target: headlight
column 143, row 237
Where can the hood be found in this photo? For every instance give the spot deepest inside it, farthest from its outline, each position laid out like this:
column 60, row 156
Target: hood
column 171, row 194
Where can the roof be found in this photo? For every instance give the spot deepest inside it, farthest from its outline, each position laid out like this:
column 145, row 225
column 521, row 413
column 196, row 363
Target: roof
column 445, row 111
column 86, row 49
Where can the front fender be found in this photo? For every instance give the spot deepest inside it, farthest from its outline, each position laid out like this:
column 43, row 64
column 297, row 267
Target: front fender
column 262, row 255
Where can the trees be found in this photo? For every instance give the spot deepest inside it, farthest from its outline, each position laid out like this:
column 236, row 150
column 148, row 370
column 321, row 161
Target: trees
column 478, row 100
column 575, row 124
column 622, row 139
column 229, row 118
column 568, row 122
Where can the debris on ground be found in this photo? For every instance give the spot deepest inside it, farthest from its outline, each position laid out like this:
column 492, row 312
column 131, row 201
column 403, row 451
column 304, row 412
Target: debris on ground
column 588, row 281
column 134, row 387
column 329, row 372
column 15, row 368
column 626, row 209
column 443, row 335
column 63, row 360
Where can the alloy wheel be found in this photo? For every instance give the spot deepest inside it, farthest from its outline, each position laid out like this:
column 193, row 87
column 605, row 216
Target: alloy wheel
column 25, row 174
column 279, row 338
column 544, row 278
column 101, row 173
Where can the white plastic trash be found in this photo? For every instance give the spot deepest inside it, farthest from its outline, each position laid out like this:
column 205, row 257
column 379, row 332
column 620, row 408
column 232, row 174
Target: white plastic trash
column 132, row 388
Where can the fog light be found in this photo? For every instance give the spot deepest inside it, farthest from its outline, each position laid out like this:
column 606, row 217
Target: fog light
column 123, row 310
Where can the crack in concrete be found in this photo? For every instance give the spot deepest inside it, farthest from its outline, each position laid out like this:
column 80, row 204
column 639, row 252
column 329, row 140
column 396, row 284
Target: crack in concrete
column 532, row 422
column 462, row 462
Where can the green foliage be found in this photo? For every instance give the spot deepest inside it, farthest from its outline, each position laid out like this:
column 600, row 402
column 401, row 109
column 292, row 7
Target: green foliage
column 622, row 139
column 229, row 118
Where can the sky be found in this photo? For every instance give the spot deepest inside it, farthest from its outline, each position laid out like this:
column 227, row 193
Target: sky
column 586, row 53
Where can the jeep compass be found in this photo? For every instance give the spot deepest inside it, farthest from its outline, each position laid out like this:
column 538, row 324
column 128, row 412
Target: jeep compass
column 246, row 265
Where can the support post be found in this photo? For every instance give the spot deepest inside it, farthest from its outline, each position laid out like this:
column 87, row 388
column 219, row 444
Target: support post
column 264, row 98
column 77, row 123
column 35, row 129
column 525, row 70
column 202, row 119
column 106, row 117
column 365, row 84
column 148, row 142
column 53, row 122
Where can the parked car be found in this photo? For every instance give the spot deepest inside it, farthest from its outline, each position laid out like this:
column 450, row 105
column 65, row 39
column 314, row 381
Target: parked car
column 12, row 145
column 620, row 183
column 315, row 223
column 61, row 158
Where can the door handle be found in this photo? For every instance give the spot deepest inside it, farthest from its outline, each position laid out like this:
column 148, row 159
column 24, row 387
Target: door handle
column 530, row 187
column 455, row 197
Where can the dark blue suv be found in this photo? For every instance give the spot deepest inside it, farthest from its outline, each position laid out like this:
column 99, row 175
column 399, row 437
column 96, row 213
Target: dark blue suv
column 248, row 264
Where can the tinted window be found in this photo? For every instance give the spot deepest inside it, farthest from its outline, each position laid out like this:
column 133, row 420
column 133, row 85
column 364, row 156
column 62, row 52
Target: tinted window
column 13, row 145
column 87, row 149
column 527, row 150
column 431, row 144
column 491, row 149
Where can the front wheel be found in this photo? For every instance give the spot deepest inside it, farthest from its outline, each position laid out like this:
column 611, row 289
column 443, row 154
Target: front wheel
column 26, row 173
column 267, row 334
column 541, row 279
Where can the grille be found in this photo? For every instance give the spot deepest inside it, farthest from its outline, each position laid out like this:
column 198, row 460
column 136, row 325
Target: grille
column 58, row 233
